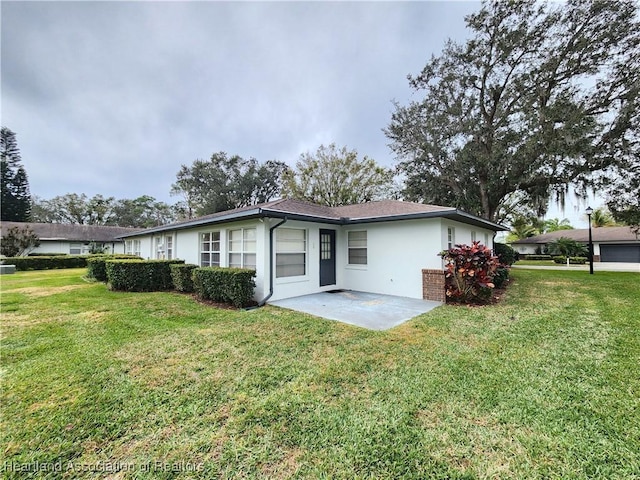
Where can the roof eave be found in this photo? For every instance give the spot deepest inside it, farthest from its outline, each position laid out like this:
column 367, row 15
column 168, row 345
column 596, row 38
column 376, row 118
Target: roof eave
column 270, row 213
column 302, row 217
column 459, row 215
column 246, row 215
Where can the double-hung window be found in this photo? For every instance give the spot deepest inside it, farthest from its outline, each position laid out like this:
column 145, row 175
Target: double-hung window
column 168, row 246
column 132, row 247
column 210, row 249
column 473, row 236
column 159, row 248
column 451, row 237
column 291, row 252
column 357, row 247
column 242, row 248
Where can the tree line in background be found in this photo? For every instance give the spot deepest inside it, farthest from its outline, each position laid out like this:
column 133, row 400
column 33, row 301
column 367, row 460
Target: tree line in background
column 525, row 227
column 542, row 97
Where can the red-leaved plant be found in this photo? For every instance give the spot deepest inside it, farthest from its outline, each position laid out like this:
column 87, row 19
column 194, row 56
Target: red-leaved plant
column 469, row 272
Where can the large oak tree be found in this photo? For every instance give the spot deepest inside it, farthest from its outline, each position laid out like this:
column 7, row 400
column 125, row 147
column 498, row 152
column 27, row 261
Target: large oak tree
column 541, row 97
column 337, row 176
column 227, row 182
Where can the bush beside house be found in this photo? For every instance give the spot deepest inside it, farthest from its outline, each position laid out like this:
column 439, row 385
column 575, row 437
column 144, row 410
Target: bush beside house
column 229, row 285
column 469, row 273
column 97, row 268
column 182, row 276
column 572, row 260
column 140, row 275
column 47, row 262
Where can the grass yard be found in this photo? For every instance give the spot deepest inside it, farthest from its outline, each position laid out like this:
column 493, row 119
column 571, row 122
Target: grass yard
column 99, row 384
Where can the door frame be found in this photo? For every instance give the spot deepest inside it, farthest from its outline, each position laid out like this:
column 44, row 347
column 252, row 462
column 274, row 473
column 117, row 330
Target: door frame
column 327, row 277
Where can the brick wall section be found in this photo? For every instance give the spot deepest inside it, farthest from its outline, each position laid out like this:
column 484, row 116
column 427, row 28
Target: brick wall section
column 433, row 285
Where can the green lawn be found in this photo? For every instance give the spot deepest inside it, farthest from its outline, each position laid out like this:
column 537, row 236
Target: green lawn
column 544, row 385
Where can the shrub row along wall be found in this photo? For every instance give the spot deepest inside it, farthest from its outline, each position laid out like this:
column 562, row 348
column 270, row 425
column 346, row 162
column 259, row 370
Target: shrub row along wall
column 140, row 276
column 228, row 285
column 53, row 261
column 572, row 260
column 182, row 276
column 97, row 265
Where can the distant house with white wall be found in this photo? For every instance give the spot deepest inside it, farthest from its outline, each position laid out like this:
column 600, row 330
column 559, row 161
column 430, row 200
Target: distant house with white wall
column 610, row 244
column 299, row 248
column 73, row 239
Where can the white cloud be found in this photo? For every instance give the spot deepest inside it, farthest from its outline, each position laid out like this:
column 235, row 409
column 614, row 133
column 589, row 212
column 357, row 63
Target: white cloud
column 111, row 97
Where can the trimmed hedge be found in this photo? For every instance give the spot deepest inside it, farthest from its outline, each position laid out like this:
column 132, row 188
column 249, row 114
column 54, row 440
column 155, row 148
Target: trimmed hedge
column 140, row 275
column 537, row 257
column 52, row 254
column 47, row 263
column 229, row 285
column 97, row 268
column 182, row 276
column 572, row 260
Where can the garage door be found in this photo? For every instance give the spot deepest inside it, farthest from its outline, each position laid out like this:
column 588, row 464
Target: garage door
column 620, row 253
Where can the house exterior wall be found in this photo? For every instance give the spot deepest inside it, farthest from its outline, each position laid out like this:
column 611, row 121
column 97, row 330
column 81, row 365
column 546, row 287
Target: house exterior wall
column 397, row 253
column 65, row 246
column 525, row 249
column 51, row 246
column 464, row 234
column 186, row 246
column 309, row 282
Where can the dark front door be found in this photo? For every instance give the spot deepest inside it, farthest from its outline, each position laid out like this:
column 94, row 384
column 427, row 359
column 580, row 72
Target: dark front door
column 327, row 257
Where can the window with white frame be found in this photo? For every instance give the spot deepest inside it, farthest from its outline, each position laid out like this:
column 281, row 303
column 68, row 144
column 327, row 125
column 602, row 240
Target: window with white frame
column 291, row 252
column 242, row 248
column 473, row 236
column 75, row 248
column 357, row 247
column 132, row 247
column 210, row 249
column 159, row 248
column 451, row 237
column 168, row 247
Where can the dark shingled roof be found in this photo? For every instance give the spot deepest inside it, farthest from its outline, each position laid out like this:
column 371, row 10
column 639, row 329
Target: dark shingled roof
column 599, row 234
column 74, row 233
column 380, row 211
column 387, row 208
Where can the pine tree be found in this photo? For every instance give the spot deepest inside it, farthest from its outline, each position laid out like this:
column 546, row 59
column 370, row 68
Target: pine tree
column 22, row 195
column 14, row 189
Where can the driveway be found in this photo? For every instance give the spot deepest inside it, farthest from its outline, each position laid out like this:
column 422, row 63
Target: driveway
column 367, row 310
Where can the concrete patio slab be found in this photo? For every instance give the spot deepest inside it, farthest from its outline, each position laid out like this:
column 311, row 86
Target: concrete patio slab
column 367, row 310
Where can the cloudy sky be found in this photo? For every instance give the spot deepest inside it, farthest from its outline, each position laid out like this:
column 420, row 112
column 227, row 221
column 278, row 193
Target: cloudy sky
column 112, row 97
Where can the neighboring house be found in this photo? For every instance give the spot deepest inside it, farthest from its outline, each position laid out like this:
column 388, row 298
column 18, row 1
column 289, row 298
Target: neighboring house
column 610, row 244
column 73, row 239
column 299, row 248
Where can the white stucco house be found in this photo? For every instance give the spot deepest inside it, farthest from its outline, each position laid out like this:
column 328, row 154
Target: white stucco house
column 72, row 239
column 610, row 244
column 298, row 248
